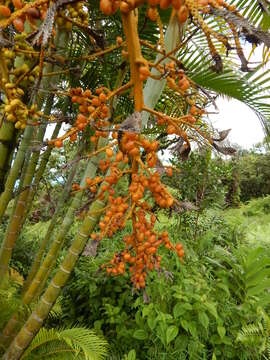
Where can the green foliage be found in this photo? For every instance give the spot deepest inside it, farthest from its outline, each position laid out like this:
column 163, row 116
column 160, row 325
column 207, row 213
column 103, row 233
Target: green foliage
column 257, row 335
column 201, row 179
column 79, row 343
column 254, row 219
column 9, row 301
column 190, row 311
column 254, row 175
column 26, row 246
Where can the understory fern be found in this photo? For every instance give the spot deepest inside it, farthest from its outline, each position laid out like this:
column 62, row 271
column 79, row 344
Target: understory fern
column 257, row 335
column 55, row 344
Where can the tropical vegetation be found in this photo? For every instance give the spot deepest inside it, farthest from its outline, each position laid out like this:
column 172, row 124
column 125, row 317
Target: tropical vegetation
column 130, row 227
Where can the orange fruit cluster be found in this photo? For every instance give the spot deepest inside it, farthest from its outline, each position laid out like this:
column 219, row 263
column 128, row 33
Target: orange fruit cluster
column 182, row 7
column 114, row 218
column 160, row 194
column 140, row 255
column 92, row 108
column 109, row 7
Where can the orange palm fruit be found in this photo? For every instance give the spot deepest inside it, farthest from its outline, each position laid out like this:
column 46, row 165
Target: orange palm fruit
column 152, row 13
column 183, row 14
column 106, row 7
column 5, row 11
column 164, row 4
column 17, row 4
column 177, row 4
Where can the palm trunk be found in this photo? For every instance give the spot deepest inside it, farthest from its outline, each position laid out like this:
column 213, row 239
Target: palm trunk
column 46, row 240
column 15, row 170
column 45, row 158
column 18, row 216
column 39, row 274
column 17, row 191
column 7, row 132
column 43, row 273
column 47, row 301
column 12, row 326
column 15, row 224
column 26, row 141
column 7, row 144
column 35, row 321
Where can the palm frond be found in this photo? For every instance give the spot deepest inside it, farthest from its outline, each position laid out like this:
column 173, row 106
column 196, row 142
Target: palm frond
column 250, row 89
column 78, row 342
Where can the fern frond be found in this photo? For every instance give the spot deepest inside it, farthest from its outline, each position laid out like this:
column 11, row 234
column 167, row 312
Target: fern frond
column 81, row 343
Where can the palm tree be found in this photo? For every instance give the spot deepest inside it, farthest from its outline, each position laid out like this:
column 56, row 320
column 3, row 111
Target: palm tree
column 187, row 46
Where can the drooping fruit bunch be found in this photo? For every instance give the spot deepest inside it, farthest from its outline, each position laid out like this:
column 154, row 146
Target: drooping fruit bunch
column 141, row 252
column 17, row 112
column 74, row 12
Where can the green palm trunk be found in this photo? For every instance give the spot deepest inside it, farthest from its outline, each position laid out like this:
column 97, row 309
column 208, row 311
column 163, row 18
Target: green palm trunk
column 7, row 133
column 45, row 158
column 13, row 324
column 47, row 265
column 15, row 224
column 46, row 303
column 7, row 144
column 28, row 133
column 15, row 170
column 16, row 220
column 64, row 197
column 38, row 275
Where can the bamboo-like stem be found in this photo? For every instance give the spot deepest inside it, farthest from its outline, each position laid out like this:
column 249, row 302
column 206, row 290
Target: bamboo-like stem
column 64, row 197
column 39, row 274
column 47, row 301
column 7, row 144
column 15, row 224
column 26, row 141
column 16, row 168
column 14, row 172
column 45, row 158
column 10, row 329
column 44, row 270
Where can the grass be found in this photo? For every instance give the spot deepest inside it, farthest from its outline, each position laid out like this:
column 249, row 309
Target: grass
column 254, row 218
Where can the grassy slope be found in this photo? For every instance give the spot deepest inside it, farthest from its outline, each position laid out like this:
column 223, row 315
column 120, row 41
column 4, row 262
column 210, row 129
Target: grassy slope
column 254, row 217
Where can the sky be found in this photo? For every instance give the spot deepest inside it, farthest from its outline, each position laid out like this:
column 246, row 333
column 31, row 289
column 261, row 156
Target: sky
column 246, row 129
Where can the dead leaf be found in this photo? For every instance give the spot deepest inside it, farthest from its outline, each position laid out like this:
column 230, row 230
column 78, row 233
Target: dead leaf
column 45, row 30
column 225, row 150
column 184, row 152
column 181, row 206
column 91, row 248
column 160, row 168
column 222, row 135
column 132, row 123
column 256, row 35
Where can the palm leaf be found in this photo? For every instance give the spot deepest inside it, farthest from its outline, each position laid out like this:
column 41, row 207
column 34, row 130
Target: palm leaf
column 250, row 89
column 53, row 343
